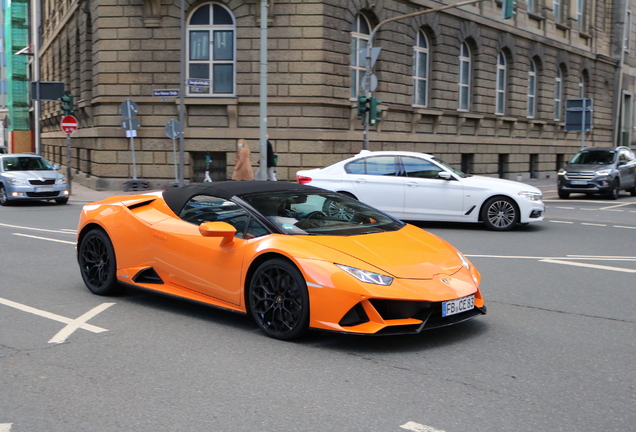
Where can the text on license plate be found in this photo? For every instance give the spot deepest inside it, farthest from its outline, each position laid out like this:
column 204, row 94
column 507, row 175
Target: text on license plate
column 459, row 305
column 45, row 189
column 579, row 182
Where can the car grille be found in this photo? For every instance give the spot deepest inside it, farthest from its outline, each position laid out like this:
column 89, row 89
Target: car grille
column 42, row 194
column 42, row 182
column 581, row 175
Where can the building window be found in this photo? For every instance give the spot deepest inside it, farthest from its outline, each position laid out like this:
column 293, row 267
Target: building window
column 530, row 7
column 580, row 14
column 627, row 30
column 558, row 94
column 420, row 70
column 532, row 89
column 581, row 87
column 500, row 107
column 556, row 7
column 211, row 35
column 359, row 42
column 464, row 77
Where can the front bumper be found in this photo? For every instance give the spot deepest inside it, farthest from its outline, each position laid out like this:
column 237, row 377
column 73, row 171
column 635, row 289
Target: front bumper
column 36, row 193
column 595, row 185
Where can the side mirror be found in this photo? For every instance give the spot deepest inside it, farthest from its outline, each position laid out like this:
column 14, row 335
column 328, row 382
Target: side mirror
column 218, row 229
column 445, row 175
column 56, row 167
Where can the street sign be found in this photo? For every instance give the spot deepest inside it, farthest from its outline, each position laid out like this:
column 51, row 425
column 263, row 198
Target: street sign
column 165, row 93
column 173, row 129
column 199, row 82
column 47, row 91
column 574, row 121
column 374, row 83
column 574, row 104
column 128, row 109
column 69, row 124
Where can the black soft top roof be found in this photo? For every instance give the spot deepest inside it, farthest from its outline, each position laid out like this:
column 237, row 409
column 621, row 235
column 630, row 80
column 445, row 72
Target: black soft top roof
column 176, row 198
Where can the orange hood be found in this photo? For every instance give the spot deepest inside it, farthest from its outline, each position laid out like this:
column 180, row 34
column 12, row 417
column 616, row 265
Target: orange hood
column 410, row 253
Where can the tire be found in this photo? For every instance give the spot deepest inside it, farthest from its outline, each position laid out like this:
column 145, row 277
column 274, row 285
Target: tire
column 3, row 196
column 564, row 195
column 97, row 263
column 334, row 210
column 632, row 191
column 615, row 192
column 61, row 200
column 500, row 214
column 278, row 300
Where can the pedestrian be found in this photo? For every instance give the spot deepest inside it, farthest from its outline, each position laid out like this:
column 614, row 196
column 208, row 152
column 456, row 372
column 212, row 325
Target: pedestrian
column 243, row 165
column 272, row 160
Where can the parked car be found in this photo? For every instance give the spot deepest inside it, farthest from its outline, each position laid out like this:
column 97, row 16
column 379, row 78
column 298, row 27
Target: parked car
column 268, row 250
column 418, row 186
column 3, row 150
column 29, row 177
column 599, row 170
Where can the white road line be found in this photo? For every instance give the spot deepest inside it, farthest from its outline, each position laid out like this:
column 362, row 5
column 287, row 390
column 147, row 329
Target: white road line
column 37, row 229
column 626, row 227
column 596, row 266
column 592, row 224
column 5, row 427
column 565, row 208
column 44, row 238
column 416, row 427
column 563, row 222
column 49, row 315
column 70, row 231
column 604, row 256
column 70, row 328
column 614, row 206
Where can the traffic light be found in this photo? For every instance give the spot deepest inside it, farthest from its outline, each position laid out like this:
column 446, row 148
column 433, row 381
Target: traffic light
column 67, row 103
column 374, row 111
column 508, row 9
column 363, row 107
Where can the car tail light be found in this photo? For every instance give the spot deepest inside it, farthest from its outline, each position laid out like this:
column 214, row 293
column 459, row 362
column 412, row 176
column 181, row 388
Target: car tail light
column 303, row 180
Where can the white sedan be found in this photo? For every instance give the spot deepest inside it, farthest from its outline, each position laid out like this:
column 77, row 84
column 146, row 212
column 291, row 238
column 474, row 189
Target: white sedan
column 418, row 186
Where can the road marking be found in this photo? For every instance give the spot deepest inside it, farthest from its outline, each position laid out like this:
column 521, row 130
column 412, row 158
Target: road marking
column 563, row 222
column 596, row 266
column 44, row 238
column 565, row 208
column 614, row 206
column 568, row 257
column 37, row 229
column 49, row 315
column 626, row 227
column 592, row 224
column 416, row 427
column 70, row 231
column 70, row 328
column 5, row 427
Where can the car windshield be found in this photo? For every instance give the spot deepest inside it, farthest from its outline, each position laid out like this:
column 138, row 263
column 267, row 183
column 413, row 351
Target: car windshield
column 449, row 167
column 594, row 157
column 25, row 163
column 320, row 213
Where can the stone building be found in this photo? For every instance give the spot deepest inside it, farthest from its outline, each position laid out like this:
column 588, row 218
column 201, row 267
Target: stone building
column 485, row 94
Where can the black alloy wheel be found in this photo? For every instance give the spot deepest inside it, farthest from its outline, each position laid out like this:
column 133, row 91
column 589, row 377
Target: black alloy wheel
column 616, row 190
column 97, row 263
column 564, row 195
column 61, row 200
column 278, row 300
column 500, row 214
column 3, row 196
column 336, row 211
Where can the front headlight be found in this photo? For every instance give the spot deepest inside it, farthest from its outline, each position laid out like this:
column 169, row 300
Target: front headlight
column 367, row 276
column 604, row 172
column 562, row 171
column 61, row 180
column 465, row 262
column 19, row 181
column 531, row 196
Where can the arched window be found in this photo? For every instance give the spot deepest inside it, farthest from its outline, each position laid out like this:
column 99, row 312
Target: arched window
column 581, row 86
column 211, row 35
column 464, row 77
column 500, row 105
column 558, row 94
column 359, row 40
column 532, row 89
column 420, row 69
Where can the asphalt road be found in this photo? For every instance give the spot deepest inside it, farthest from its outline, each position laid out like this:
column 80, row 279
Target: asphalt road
column 555, row 352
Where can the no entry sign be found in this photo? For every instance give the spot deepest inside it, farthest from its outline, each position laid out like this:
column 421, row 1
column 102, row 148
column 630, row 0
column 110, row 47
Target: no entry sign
column 69, row 124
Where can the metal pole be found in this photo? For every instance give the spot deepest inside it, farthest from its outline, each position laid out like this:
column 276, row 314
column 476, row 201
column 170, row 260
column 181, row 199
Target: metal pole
column 69, row 178
column 263, row 95
column 132, row 140
column 583, row 125
column 35, row 24
column 181, row 180
column 174, row 152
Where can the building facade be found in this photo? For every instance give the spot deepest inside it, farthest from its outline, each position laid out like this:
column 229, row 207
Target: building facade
column 483, row 93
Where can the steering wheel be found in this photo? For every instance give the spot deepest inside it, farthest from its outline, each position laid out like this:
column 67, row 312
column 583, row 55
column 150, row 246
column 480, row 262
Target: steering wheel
column 312, row 220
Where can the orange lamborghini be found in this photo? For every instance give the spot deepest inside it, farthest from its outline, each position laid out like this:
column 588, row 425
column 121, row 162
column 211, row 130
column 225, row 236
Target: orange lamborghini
column 293, row 256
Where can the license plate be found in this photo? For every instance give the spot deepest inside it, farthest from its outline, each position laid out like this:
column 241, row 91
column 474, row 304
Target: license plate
column 579, row 182
column 45, row 189
column 456, row 306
